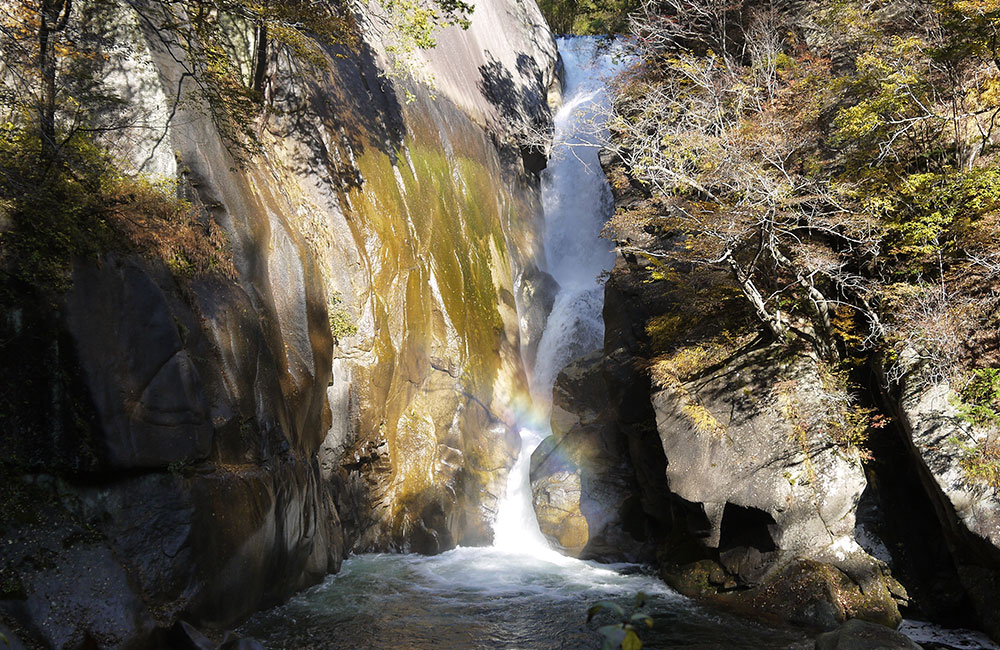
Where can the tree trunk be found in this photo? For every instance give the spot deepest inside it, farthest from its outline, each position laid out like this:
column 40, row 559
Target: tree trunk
column 260, row 62
column 54, row 16
column 773, row 321
column 824, row 337
column 46, row 95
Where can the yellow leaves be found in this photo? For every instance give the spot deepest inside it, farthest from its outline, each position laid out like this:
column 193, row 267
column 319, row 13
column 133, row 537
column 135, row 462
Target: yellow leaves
column 663, row 329
column 631, row 641
column 690, row 361
column 906, row 46
column 977, row 7
column 986, row 93
column 702, row 419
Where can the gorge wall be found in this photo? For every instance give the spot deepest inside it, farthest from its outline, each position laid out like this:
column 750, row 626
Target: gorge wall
column 199, row 446
column 727, row 464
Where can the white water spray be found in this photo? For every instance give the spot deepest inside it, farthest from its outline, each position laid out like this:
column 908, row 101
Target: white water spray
column 576, row 201
column 516, row 527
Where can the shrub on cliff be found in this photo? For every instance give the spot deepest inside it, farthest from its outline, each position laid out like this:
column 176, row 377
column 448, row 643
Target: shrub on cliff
column 80, row 205
column 596, row 17
column 67, row 185
column 829, row 160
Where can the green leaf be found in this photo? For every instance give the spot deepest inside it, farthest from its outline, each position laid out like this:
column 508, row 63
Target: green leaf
column 605, row 605
column 642, row 617
column 640, row 599
column 613, row 634
column 631, row 641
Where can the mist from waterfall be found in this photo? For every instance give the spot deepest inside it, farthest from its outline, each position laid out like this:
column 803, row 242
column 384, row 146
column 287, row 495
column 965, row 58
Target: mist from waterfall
column 576, row 201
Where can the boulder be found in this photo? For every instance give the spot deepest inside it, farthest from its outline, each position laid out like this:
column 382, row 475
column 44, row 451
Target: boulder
column 862, row 635
column 590, row 479
column 763, row 491
column 536, row 295
column 967, row 509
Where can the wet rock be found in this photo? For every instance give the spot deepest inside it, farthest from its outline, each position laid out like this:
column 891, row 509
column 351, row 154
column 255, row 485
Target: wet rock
column 862, row 635
column 184, row 636
column 588, row 478
column 556, row 497
column 536, row 293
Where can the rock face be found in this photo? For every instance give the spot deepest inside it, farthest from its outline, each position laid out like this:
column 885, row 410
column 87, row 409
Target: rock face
column 861, row 635
column 767, row 496
column 197, row 448
column 968, row 511
column 588, row 478
column 722, row 477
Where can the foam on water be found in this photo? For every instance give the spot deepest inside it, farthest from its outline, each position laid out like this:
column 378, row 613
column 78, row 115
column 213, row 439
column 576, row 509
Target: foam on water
column 516, row 527
column 576, row 201
column 491, row 599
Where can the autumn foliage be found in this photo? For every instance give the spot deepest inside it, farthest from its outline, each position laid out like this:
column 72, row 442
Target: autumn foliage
column 826, row 162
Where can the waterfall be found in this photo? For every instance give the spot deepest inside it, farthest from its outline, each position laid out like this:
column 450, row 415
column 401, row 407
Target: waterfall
column 576, row 201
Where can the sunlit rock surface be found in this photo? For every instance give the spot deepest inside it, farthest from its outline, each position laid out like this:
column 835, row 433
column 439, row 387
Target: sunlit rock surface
column 219, row 444
column 765, row 497
column 587, row 479
column 861, row 635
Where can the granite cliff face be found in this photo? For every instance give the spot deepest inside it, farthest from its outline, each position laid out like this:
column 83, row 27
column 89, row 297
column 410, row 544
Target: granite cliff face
column 196, row 448
column 733, row 465
column 726, row 466
column 935, row 441
column 719, row 477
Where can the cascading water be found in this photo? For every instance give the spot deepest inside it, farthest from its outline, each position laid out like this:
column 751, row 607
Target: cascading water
column 519, row 593
column 576, row 202
column 516, row 527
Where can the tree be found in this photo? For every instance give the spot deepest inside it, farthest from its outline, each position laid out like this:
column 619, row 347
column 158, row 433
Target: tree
column 61, row 185
column 54, row 50
column 51, row 60
column 710, row 121
column 817, row 177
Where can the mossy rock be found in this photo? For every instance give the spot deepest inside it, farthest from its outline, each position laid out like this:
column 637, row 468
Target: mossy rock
column 803, row 592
